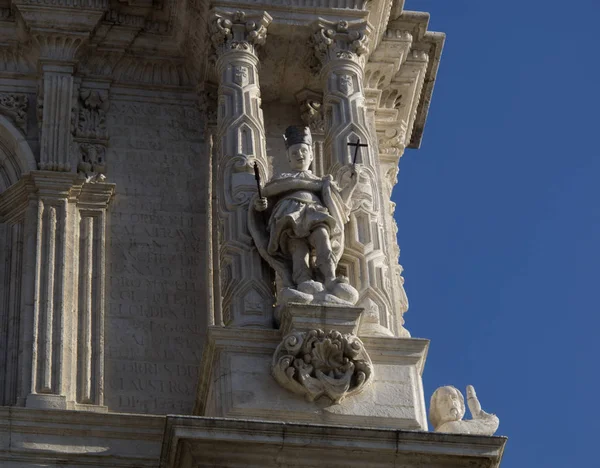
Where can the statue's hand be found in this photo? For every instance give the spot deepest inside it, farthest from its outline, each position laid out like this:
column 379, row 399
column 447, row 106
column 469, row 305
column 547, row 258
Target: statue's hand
column 261, row 204
column 473, row 402
column 355, row 175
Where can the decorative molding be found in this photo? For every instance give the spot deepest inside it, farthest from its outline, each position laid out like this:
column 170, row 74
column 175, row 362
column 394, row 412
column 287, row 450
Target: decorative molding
column 81, row 4
column 15, row 106
column 317, row 363
column 134, row 70
column 137, row 21
column 56, row 46
column 13, row 60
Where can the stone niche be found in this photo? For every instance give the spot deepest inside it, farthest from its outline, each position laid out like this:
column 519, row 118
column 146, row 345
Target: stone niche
column 156, row 306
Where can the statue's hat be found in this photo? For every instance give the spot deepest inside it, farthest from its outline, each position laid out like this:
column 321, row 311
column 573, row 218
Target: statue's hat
column 295, row 134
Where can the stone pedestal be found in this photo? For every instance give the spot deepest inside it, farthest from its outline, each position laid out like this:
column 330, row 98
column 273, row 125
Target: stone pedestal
column 236, row 378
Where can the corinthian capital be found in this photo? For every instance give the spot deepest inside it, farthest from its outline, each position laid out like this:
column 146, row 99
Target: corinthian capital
column 238, row 30
column 341, row 40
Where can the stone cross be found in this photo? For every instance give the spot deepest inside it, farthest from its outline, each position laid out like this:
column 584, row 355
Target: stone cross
column 357, row 145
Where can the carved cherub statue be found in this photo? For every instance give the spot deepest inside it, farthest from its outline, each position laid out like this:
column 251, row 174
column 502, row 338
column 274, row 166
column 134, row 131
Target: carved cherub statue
column 447, row 410
column 298, row 227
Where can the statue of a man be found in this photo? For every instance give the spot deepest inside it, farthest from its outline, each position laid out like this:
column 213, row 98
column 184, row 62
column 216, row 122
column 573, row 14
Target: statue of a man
column 302, row 234
column 447, row 410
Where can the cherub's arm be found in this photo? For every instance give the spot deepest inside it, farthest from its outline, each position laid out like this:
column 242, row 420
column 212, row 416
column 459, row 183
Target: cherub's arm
column 482, row 422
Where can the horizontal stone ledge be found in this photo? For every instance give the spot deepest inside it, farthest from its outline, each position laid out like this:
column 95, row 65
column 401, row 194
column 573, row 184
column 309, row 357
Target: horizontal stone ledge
column 200, row 441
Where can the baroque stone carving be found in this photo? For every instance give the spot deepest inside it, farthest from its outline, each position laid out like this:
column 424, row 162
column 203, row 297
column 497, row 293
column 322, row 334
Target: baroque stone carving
column 317, row 363
column 311, row 112
column 447, row 410
column 15, row 106
column 91, row 122
column 92, row 163
column 303, row 239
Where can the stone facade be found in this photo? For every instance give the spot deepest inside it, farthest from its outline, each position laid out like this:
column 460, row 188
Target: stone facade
column 135, row 137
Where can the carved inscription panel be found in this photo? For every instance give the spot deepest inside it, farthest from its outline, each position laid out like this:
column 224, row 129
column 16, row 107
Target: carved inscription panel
column 156, row 314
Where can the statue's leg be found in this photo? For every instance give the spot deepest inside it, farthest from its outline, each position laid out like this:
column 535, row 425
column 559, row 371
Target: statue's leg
column 319, row 240
column 300, row 257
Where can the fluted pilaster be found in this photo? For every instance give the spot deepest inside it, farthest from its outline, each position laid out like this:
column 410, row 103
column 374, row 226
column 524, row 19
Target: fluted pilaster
column 58, row 226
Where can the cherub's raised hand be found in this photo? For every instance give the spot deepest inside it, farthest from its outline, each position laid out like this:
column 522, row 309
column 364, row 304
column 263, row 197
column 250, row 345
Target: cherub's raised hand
column 261, row 204
column 473, row 402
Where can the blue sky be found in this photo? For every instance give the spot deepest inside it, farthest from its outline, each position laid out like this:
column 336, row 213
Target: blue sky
column 499, row 221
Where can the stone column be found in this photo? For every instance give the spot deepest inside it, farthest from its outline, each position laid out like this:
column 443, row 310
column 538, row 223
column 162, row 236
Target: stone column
column 341, row 48
column 245, row 281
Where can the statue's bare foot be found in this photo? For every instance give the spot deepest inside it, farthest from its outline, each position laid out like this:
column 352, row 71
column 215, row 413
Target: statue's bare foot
column 344, row 291
column 310, row 287
column 287, row 295
column 330, row 284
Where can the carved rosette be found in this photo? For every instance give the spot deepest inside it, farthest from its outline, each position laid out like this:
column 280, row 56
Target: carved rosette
column 317, row 363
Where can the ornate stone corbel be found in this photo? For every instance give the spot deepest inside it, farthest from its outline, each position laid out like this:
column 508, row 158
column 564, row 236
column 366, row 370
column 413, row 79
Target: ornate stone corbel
column 316, row 363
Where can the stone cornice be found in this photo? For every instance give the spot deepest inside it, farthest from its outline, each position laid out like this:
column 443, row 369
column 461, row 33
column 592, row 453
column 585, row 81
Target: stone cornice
column 265, row 444
column 67, row 186
column 135, row 438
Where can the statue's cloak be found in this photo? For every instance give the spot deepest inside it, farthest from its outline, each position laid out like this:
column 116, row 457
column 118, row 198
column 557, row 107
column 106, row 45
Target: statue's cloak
column 262, row 226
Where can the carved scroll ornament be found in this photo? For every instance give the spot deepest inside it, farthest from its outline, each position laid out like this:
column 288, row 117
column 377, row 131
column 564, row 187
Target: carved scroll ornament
column 318, row 363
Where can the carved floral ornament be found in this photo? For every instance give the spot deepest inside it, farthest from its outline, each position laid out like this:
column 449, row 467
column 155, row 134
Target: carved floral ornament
column 317, row 363
column 15, row 106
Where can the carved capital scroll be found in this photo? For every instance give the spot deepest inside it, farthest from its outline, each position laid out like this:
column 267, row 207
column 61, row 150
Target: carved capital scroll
column 238, row 30
column 341, row 40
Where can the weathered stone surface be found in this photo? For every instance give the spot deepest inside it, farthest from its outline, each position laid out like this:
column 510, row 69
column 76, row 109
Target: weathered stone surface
column 208, row 442
column 156, row 315
column 236, row 382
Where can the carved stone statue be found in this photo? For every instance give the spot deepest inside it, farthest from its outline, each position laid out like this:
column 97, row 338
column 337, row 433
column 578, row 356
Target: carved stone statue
column 447, row 410
column 298, row 227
